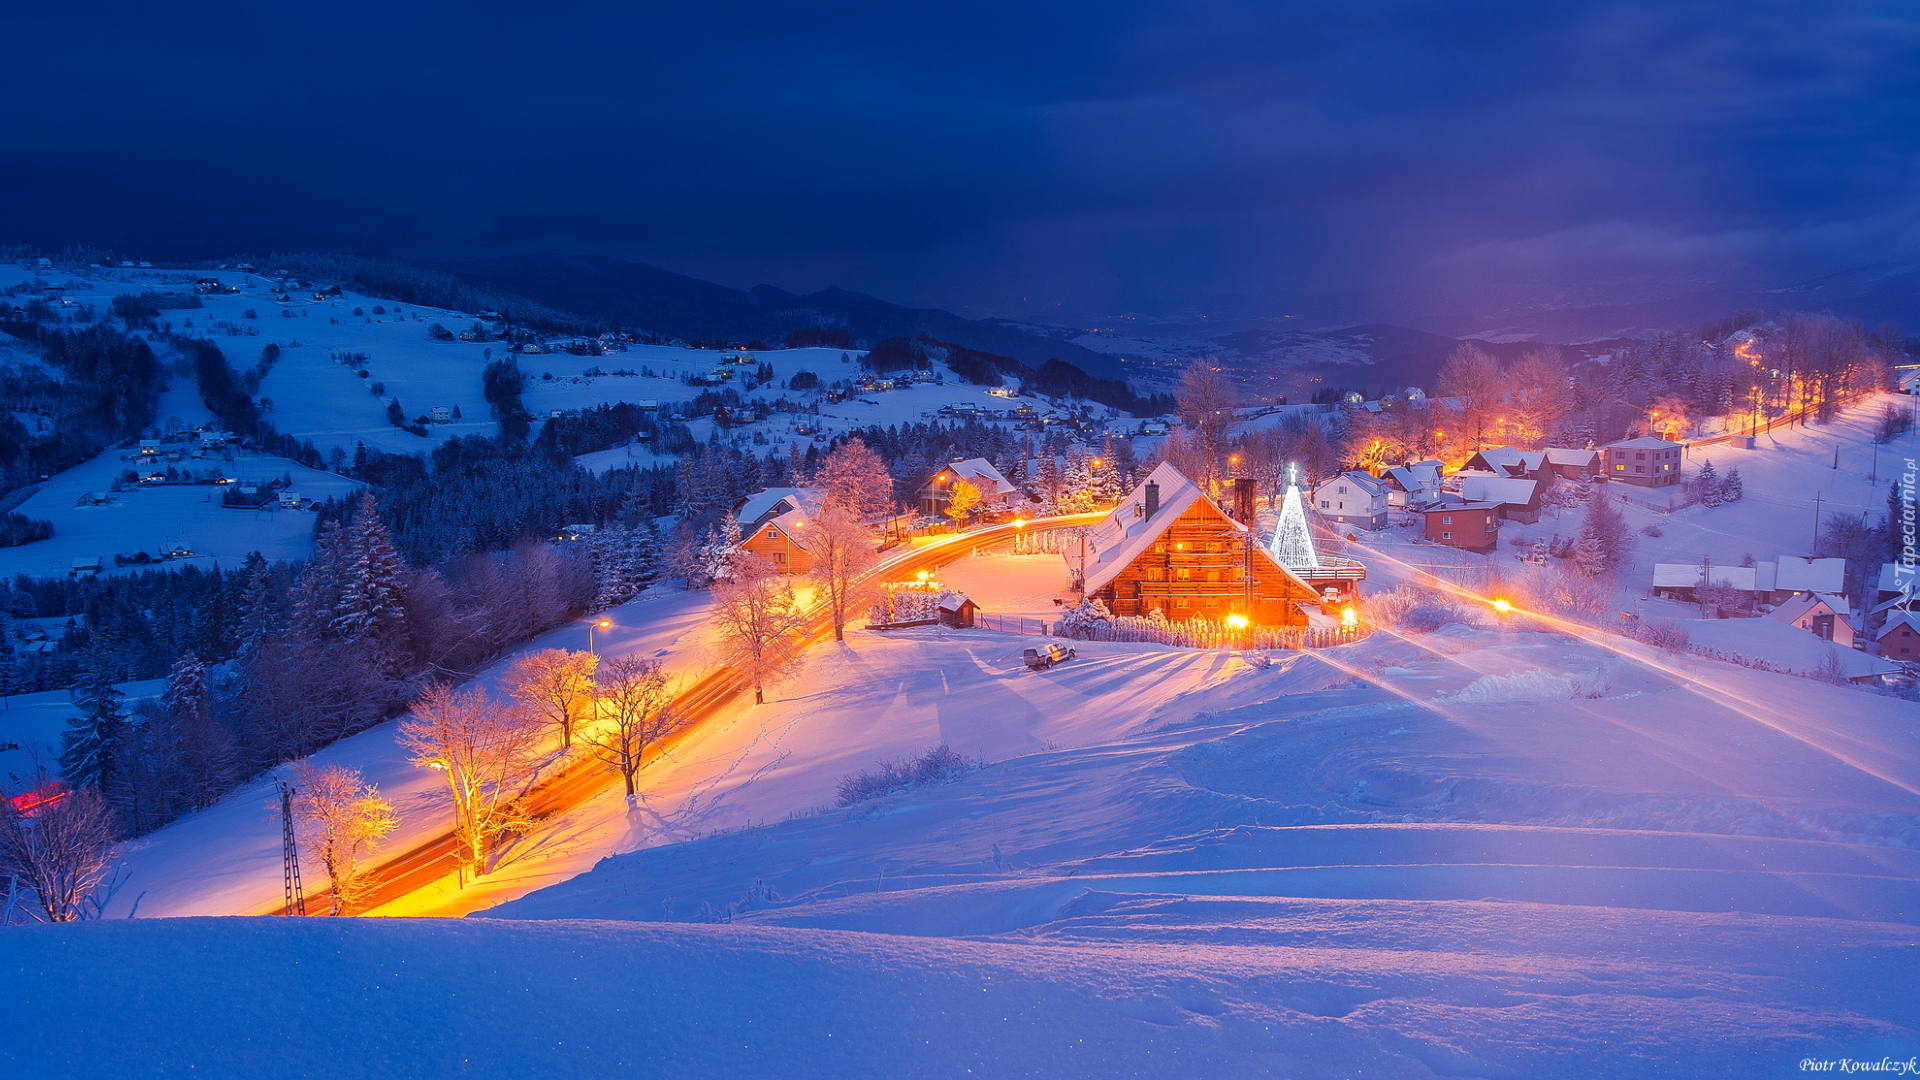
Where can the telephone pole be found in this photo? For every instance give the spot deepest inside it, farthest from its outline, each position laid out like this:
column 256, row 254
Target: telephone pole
column 290, row 855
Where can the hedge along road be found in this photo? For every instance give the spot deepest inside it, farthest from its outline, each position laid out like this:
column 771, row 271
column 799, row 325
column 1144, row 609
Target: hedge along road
column 706, row 696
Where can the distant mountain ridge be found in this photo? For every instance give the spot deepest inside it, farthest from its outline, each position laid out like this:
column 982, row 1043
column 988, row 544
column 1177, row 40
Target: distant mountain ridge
column 643, row 297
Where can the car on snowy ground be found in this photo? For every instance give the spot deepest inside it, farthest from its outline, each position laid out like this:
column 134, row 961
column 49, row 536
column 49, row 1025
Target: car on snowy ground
column 1046, row 656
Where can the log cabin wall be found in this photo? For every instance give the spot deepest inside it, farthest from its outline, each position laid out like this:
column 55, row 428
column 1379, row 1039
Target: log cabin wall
column 1197, row 566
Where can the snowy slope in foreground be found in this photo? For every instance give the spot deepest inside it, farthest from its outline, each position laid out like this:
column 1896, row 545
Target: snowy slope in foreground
column 1398, row 858
column 1148, row 987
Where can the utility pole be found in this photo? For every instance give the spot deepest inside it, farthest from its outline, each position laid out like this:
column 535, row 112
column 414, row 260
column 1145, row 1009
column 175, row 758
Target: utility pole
column 290, row 855
column 1816, row 523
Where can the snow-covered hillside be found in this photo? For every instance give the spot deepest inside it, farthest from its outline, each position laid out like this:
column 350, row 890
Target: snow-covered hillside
column 1420, row 857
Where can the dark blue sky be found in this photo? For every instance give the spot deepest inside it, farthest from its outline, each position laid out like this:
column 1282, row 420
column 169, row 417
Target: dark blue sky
column 1341, row 160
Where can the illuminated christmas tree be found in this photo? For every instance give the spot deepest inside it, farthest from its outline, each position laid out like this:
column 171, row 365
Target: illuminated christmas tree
column 1292, row 545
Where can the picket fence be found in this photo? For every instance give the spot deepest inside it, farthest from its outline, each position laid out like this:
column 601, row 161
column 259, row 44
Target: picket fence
column 1192, row 634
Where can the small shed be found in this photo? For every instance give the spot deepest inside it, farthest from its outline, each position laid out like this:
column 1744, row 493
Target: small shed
column 956, row 610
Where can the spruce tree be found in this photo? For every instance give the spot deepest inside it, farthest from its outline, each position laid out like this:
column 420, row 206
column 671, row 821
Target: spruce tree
column 1708, row 485
column 1602, row 546
column 203, row 755
column 1730, row 490
column 94, row 748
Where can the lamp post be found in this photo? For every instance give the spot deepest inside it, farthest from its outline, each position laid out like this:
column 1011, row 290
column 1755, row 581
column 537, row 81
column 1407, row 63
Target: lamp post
column 597, row 624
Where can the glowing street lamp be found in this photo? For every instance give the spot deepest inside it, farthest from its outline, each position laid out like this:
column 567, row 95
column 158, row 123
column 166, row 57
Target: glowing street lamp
column 600, row 624
column 1349, row 617
column 1503, row 606
column 1237, row 621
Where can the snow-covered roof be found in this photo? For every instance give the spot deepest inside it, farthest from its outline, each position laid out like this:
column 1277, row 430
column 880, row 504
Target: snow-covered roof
column 1780, row 643
column 1365, row 481
column 1126, row 533
column 1896, row 619
column 1687, row 576
column 951, row 601
column 1644, row 442
column 981, row 473
column 1448, row 504
column 1514, row 459
column 1893, row 581
column 1422, row 474
column 1501, row 489
column 1797, row 573
column 1561, row 455
column 1803, row 604
column 761, row 503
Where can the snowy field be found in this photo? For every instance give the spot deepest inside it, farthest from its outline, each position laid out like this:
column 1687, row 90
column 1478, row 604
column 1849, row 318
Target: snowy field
column 1477, row 853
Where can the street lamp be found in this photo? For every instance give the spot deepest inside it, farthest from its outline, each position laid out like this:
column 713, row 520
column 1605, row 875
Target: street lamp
column 598, row 624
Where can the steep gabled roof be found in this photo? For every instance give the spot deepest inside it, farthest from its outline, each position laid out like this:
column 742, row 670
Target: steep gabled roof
column 1801, row 574
column 1510, row 490
column 1513, row 460
column 761, row 504
column 1367, row 482
column 1560, row 455
column 1896, row 619
column 1801, row 605
column 980, row 473
column 1126, row 534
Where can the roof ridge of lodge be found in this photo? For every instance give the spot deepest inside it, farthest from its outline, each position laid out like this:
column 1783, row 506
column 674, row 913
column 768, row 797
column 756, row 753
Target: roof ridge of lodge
column 1186, row 493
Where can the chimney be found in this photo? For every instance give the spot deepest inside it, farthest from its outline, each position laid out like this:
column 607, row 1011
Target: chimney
column 1153, row 499
column 1243, row 499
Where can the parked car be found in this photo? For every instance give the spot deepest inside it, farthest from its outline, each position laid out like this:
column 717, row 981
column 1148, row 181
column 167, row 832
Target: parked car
column 1046, row 656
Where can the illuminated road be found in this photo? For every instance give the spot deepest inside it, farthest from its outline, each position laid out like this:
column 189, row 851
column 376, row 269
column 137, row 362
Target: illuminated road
column 710, row 693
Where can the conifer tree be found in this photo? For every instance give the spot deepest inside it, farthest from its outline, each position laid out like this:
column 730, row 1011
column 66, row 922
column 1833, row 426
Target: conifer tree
column 1730, row 489
column 1708, row 485
column 202, row 753
column 94, row 748
column 1601, row 548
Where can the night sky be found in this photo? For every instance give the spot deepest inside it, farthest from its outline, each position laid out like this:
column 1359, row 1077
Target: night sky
column 1061, row 161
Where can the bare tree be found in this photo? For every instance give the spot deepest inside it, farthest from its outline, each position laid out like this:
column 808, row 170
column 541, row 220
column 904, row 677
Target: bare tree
column 490, row 754
column 1541, row 393
column 853, row 478
column 341, row 817
column 842, row 549
column 61, row 849
column 636, row 710
column 961, row 499
column 1471, row 379
column 760, row 627
column 554, row 684
column 1205, row 399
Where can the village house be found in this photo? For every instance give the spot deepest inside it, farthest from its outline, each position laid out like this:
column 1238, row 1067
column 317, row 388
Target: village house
column 1352, row 498
column 1899, row 636
column 1415, row 485
column 1508, row 461
column 1822, row 616
column 1569, row 464
column 1167, row 547
column 1473, row 526
column 773, row 524
column 1519, row 499
column 1644, row 462
column 1779, row 580
column 1678, row 581
column 996, row 493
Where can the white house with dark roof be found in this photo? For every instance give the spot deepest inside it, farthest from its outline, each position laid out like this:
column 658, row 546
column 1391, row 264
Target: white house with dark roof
column 1355, row 498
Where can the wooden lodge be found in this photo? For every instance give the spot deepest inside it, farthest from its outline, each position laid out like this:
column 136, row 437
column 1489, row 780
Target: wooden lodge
column 1169, row 547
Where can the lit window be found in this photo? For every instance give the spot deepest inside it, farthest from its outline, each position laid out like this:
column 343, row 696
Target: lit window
column 1182, row 573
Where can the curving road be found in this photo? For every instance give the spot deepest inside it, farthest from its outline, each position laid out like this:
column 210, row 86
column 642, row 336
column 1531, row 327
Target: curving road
column 583, row 778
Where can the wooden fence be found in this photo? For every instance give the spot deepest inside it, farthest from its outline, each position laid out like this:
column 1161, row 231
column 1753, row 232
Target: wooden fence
column 1190, row 634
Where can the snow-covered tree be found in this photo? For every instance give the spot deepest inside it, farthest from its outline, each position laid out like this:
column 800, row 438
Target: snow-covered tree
column 635, row 711
column 556, row 685
column 1602, row 547
column 201, row 755
column 842, row 549
column 339, row 818
column 94, row 748
column 962, row 497
column 1730, row 488
column 61, row 853
column 855, row 479
column 489, row 753
column 760, row 624
column 1707, row 485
